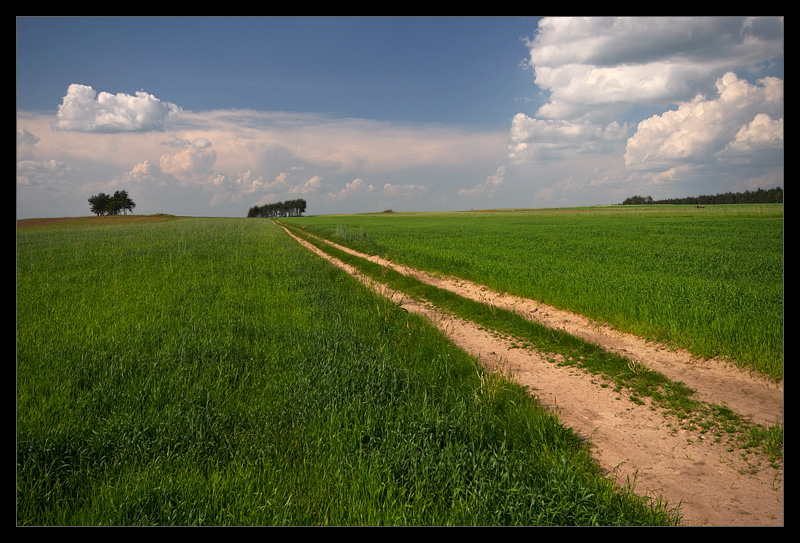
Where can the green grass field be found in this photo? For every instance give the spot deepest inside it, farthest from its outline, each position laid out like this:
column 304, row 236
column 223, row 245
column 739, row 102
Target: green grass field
column 709, row 280
column 213, row 372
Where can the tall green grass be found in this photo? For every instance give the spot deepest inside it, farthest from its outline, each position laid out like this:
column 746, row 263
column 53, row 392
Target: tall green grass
column 709, row 280
column 212, row 372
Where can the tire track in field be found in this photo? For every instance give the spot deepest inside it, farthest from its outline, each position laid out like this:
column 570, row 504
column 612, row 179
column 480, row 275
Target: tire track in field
column 713, row 485
column 714, row 381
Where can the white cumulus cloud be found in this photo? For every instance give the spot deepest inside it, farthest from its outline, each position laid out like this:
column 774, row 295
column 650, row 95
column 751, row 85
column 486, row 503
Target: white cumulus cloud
column 192, row 164
column 739, row 117
column 762, row 133
column 551, row 139
column 660, row 102
column 596, row 67
column 352, row 189
column 488, row 187
column 85, row 110
column 309, row 187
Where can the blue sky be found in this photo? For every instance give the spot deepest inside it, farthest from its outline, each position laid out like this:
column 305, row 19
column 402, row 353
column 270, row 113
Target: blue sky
column 209, row 116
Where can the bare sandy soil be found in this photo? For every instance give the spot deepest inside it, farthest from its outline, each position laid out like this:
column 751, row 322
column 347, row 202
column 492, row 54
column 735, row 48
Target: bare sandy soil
column 713, row 486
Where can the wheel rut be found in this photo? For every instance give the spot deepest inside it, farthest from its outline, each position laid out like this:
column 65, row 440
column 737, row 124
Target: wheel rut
column 633, row 443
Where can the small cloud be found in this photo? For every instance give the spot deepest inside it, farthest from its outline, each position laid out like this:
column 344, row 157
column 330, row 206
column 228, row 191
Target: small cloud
column 192, row 164
column 84, row 110
column 488, row 187
column 310, row 186
column 353, row 188
column 145, row 169
column 26, row 138
column 40, row 172
column 177, row 143
column 404, row 190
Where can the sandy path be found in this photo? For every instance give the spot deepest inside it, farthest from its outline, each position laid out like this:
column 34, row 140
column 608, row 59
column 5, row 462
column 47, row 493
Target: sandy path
column 714, row 486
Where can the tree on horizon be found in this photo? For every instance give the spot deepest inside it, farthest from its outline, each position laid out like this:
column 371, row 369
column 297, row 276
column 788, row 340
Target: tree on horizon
column 105, row 204
column 289, row 208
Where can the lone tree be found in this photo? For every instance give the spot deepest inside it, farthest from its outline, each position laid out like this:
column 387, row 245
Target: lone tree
column 105, row 204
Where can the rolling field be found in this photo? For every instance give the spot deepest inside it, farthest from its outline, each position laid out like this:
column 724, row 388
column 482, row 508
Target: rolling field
column 709, row 280
column 213, row 372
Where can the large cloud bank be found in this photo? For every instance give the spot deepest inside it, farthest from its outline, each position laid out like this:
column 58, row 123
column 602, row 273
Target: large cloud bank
column 594, row 71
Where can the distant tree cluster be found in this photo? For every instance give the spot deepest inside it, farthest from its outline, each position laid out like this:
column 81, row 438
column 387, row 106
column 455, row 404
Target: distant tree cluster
column 106, row 204
column 289, row 208
column 760, row 196
column 638, row 200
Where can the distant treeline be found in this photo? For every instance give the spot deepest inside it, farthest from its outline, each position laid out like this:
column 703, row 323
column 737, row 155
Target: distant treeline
column 760, row 196
column 289, row 208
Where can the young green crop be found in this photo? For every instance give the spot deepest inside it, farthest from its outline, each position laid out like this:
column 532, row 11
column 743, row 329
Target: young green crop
column 708, row 280
column 213, row 372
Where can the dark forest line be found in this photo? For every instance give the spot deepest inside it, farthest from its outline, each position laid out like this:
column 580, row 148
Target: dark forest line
column 760, row 196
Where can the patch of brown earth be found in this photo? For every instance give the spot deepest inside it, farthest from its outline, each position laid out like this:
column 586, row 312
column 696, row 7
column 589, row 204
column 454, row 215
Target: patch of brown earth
column 714, row 486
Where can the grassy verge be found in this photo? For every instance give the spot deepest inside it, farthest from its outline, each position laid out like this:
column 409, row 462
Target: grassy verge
column 212, row 372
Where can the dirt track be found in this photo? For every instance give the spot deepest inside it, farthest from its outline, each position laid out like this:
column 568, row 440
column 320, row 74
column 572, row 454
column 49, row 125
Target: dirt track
column 713, row 485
